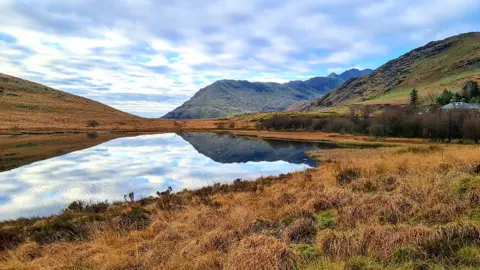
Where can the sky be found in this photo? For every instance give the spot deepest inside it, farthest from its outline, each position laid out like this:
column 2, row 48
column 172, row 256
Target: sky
column 147, row 57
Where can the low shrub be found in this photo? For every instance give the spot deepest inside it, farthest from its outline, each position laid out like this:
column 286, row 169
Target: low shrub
column 346, row 176
column 61, row 229
column 301, row 231
column 135, row 219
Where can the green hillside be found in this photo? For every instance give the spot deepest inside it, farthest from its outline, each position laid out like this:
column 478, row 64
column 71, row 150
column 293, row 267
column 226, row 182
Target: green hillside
column 439, row 65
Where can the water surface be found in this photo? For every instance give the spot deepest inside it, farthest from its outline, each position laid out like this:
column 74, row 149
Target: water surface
column 144, row 164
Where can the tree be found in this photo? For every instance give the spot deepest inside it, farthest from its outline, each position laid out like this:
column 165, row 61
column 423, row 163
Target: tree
column 414, row 97
column 366, row 112
column 471, row 127
column 92, row 123
column 475, row 92
column 470, row 89
column 458, row 98
column 353, row 114
column 445, row 98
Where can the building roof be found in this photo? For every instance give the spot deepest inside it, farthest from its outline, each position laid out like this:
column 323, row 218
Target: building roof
column 461, row 105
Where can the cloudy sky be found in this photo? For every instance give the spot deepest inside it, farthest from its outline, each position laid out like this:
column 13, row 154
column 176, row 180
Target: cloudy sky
column 148, row 56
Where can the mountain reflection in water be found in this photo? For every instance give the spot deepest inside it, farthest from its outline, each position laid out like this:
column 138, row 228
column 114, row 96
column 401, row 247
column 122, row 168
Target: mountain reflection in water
column 144, row 164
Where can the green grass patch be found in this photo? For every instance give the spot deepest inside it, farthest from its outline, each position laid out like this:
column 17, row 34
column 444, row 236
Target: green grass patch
column 397, row 95
column 403, row 255
column 467, row 184
column 27, row 107
column 307, row 251
column 325, row 220
column 469, row 256
column 475, row 215
column 26, row 145
column 362, row 263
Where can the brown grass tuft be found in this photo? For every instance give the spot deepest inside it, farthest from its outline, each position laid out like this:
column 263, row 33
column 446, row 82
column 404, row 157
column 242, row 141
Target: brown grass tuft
column 301, row 231
column 261, row 252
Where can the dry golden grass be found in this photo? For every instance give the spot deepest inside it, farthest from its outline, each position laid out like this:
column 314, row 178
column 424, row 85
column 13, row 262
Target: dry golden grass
column 399, row 207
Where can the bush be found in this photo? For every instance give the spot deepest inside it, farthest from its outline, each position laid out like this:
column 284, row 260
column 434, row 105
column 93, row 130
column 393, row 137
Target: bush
column 93, row 123
column 62, row 228
column 348, row 175
column 136, row 219
column 80, row 206
column 301, row 231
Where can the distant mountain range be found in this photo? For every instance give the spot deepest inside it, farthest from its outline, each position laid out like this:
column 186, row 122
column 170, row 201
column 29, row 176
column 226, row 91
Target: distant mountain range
column 439, row 65
column 230, row 97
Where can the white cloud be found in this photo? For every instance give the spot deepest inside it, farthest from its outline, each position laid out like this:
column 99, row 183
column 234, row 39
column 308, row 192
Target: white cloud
column 170, row 48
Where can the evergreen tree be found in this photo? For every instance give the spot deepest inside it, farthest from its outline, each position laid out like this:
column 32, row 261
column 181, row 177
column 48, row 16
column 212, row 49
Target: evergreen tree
column 445, row 98
column 414, row 97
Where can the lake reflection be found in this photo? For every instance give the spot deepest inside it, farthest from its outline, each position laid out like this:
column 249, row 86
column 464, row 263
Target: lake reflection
column 144, row 164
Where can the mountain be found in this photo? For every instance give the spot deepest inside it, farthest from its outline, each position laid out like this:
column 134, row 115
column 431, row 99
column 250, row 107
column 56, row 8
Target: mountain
column 339, row 79
column 439, row 65
column 353, row 73
column 229, row 97
column 25, row 104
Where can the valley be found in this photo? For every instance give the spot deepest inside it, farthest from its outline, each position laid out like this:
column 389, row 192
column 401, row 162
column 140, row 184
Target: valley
column 350, row 171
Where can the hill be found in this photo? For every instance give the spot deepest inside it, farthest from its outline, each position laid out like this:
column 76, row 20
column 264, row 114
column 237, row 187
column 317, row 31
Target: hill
column 439, row 65
column 27, row 104
column 230, row 97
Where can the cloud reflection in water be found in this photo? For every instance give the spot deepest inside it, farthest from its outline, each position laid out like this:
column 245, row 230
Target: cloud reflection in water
column 142, row 164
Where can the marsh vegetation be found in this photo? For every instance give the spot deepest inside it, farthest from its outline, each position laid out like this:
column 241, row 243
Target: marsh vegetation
column 405, row 207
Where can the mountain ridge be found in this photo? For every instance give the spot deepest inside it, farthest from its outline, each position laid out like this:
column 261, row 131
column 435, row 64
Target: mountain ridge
column 431, row 68
column 230, row 97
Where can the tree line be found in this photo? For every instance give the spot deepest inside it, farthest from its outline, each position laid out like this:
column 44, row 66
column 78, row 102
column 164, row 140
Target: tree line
column 407, row 122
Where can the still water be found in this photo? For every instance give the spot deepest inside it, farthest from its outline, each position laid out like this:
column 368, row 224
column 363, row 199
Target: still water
column 145, row 164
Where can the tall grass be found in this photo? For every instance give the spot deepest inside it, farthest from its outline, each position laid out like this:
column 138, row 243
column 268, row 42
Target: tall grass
column 398, row 208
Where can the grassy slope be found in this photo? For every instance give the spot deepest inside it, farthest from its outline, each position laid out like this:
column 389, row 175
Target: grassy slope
column 31, row 107
column 407, row 207
column 445, row 64
column 24, row 103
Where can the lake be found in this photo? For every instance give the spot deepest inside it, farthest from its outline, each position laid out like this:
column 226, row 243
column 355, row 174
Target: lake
column 143, row 164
